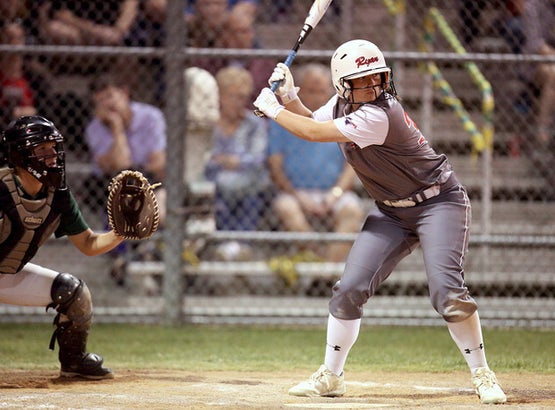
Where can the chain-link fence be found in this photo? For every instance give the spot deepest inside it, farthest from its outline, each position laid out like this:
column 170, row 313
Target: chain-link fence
column 465, row 71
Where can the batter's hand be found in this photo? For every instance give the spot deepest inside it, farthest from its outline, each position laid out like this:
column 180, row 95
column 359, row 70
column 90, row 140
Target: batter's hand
column 286, row 90
column 267, row 103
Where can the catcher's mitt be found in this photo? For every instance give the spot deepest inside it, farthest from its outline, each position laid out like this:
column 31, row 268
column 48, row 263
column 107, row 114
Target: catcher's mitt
column 132, row 206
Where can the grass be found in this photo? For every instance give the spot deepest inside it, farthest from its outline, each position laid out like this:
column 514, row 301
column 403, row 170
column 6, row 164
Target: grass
column 257, row 348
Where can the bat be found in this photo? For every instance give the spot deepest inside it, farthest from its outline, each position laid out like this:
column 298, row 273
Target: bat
column 315, row 14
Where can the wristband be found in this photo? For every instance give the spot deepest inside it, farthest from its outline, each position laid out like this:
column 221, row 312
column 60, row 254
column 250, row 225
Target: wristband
column 289, row 95
column 275, row 111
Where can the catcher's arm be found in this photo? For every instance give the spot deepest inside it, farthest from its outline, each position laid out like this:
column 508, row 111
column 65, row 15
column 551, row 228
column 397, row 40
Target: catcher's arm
column 93, row 243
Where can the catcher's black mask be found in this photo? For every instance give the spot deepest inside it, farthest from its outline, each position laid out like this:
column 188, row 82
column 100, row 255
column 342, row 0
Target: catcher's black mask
column 21, row 138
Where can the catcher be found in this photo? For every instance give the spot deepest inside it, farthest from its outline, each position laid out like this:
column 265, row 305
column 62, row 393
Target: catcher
column 35, row 203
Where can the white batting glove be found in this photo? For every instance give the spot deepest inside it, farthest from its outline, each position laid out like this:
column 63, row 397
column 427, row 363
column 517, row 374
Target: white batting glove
column 287, row 91
column 268, row 103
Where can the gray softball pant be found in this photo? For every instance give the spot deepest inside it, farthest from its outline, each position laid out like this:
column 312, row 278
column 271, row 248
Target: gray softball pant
column 440, row 225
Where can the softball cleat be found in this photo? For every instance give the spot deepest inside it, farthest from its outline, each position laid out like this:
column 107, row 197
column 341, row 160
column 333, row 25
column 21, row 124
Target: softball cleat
column 322, row 383
column 487, row 387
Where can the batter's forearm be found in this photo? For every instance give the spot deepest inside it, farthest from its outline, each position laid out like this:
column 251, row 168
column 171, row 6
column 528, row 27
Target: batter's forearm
column 309, row 129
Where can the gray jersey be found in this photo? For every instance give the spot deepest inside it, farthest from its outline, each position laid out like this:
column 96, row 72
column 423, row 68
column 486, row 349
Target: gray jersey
column 390, row 155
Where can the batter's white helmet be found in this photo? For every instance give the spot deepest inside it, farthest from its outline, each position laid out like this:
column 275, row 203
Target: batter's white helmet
column 354, row 59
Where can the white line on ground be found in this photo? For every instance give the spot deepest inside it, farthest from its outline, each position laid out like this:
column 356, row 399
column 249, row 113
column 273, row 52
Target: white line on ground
column 337, row 405
column 424, row 388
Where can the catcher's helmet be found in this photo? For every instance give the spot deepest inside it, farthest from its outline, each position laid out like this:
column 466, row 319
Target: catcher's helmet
column 21, row 138
column 355, row 59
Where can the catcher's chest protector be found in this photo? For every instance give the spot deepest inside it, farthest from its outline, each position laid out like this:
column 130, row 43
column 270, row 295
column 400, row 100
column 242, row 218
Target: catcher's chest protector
column 25, row 224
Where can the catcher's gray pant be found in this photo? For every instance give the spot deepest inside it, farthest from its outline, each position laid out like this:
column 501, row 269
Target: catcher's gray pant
column 29, row 287
column 440, row 225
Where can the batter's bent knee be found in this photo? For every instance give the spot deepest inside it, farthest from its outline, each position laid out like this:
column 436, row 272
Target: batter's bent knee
column 347, row 303
column 455, row 308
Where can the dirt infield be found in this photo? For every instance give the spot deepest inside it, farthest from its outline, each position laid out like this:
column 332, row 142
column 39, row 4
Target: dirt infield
column 168, row 389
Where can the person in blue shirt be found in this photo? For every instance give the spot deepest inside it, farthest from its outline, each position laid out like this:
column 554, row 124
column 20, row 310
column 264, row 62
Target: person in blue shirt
column 313, row 180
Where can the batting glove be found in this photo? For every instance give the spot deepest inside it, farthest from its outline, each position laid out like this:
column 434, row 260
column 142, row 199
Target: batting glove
column 286, row 90
column 268, row 103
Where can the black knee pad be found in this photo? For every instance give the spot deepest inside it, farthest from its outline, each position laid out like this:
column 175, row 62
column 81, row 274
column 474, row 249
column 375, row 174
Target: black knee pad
column 71, row 297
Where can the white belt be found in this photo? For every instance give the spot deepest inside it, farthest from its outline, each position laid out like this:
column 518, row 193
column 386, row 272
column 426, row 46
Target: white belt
column 421, row 196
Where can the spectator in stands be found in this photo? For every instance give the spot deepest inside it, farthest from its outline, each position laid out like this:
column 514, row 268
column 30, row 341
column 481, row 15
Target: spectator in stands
column 205, row 25
column 148, row 30
column 16, row 11
column 538, row 20
column 245, row 7
column 237, row 164
column 294, row 11
column 215, row 24
column 507, row 24
column 90, row 22
column 16, row 95
column 314, row 181
column 511, row 25
column 125, row 134
column 26, row 81
column 240, row 33
column 236, row 30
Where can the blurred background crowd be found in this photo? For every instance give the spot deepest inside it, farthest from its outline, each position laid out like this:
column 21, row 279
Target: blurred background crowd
column 245, row 172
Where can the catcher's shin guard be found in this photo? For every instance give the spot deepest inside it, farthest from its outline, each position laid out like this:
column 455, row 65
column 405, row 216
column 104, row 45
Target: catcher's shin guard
column 71, row 298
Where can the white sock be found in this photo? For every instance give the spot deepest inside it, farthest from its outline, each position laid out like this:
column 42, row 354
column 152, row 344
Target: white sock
column 468, row 337
column 341, row 336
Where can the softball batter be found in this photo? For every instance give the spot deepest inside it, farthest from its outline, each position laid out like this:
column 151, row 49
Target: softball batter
column 34, row 204
column 419, row 201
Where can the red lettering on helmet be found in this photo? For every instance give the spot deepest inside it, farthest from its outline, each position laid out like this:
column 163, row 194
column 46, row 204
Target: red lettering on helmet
column 361, row 61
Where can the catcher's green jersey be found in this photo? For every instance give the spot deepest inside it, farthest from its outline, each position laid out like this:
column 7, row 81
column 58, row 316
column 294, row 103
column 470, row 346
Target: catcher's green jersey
column 27, row 222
